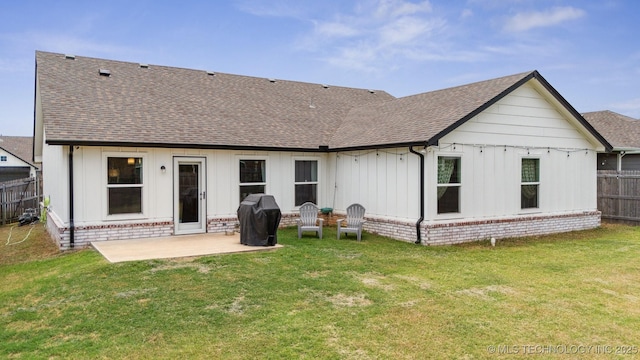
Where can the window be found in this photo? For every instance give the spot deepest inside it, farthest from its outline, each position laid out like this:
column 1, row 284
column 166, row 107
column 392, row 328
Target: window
column 3, row 158
column 253, row 179
column 530, row 183
column 449, row 181
column 306, row 181
column 124, row 185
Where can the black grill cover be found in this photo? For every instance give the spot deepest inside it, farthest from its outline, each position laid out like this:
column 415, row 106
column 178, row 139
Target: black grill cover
column 259, row 217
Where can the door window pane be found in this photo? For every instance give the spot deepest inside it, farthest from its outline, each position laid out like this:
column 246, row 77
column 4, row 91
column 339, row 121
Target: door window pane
column 189, row 193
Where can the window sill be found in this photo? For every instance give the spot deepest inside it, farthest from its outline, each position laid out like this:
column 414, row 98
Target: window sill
column 530, row 211
column 122, row 217
column 449, row 216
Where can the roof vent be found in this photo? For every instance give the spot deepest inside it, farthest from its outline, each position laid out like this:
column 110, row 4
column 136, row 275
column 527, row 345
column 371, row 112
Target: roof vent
column 372, row 91
column 105, row 72
column 144, row 66
column 70, row 57
column 325, row 86
column 211, row 73
column 272, row 80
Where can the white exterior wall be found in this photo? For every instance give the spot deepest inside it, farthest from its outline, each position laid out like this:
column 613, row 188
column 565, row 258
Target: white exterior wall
column 222, row 178
column 90, row 180
column 492, row 145
column 384, row 181
column 55, row 184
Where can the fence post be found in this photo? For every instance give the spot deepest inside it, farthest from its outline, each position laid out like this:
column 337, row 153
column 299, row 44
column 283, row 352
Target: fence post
column 4, row 204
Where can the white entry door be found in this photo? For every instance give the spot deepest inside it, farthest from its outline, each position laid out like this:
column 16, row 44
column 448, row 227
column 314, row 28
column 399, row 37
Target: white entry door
column 189, row 195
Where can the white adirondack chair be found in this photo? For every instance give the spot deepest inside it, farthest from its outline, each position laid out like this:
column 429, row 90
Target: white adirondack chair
column 354, row 221
column 309, row 220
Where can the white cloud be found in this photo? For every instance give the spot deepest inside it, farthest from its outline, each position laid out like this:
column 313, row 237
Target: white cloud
column 466, row 13
column 375, row 34
column 404, row 30
column 372, row 35
column 397, row 8
column 534, row 19
column 280, row 8
column 336, row 29
column 358, row 58
column 68, row 44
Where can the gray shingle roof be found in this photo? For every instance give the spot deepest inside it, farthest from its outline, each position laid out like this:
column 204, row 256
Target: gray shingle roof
column 174, row 107
column 419, row 118
column 18, row 146
column 170, row 106
column 621, row 131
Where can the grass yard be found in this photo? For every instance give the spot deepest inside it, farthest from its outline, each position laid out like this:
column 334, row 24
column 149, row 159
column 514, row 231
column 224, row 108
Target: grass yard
column 575, row 294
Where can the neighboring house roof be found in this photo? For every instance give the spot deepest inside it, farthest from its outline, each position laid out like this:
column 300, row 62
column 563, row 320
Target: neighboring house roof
column 172, row 107
column 621, row 131
column 19, row 146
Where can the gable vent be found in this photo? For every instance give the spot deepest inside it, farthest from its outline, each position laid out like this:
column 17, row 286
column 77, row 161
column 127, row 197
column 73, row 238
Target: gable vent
column 144, row 66
column 105, row 72
column 70, row 57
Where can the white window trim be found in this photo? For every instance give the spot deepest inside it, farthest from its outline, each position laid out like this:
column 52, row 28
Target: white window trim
column 531, row 210
column 105, row 186
column 237, row 175
column 317, row 182
column 452, row 215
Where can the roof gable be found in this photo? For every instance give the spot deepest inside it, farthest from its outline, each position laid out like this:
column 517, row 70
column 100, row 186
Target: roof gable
column 19, row 146
column 424, row 119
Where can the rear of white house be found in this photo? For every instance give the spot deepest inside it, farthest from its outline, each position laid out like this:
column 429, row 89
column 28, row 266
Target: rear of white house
column 147, row 151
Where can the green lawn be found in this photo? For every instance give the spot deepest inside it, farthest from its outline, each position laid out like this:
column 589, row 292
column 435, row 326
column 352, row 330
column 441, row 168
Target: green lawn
column 575, row 293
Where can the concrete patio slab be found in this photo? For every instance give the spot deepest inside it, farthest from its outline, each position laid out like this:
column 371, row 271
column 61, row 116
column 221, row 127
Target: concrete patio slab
column 174, row 247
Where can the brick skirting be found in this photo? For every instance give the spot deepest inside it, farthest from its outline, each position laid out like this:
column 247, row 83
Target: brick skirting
column 460, row 231
column 433, row 233
column 84, row 235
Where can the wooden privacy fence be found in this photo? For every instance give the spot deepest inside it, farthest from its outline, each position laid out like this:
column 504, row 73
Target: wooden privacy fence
column 619, row 195
column 18, row 195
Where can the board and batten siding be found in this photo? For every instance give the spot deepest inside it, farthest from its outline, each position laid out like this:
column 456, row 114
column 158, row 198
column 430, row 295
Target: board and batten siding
column 55, row 180
column 523, row 124
column 222, row 166
column 384, row 181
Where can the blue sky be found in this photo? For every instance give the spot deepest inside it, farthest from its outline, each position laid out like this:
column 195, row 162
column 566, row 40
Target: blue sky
column 587, row 49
